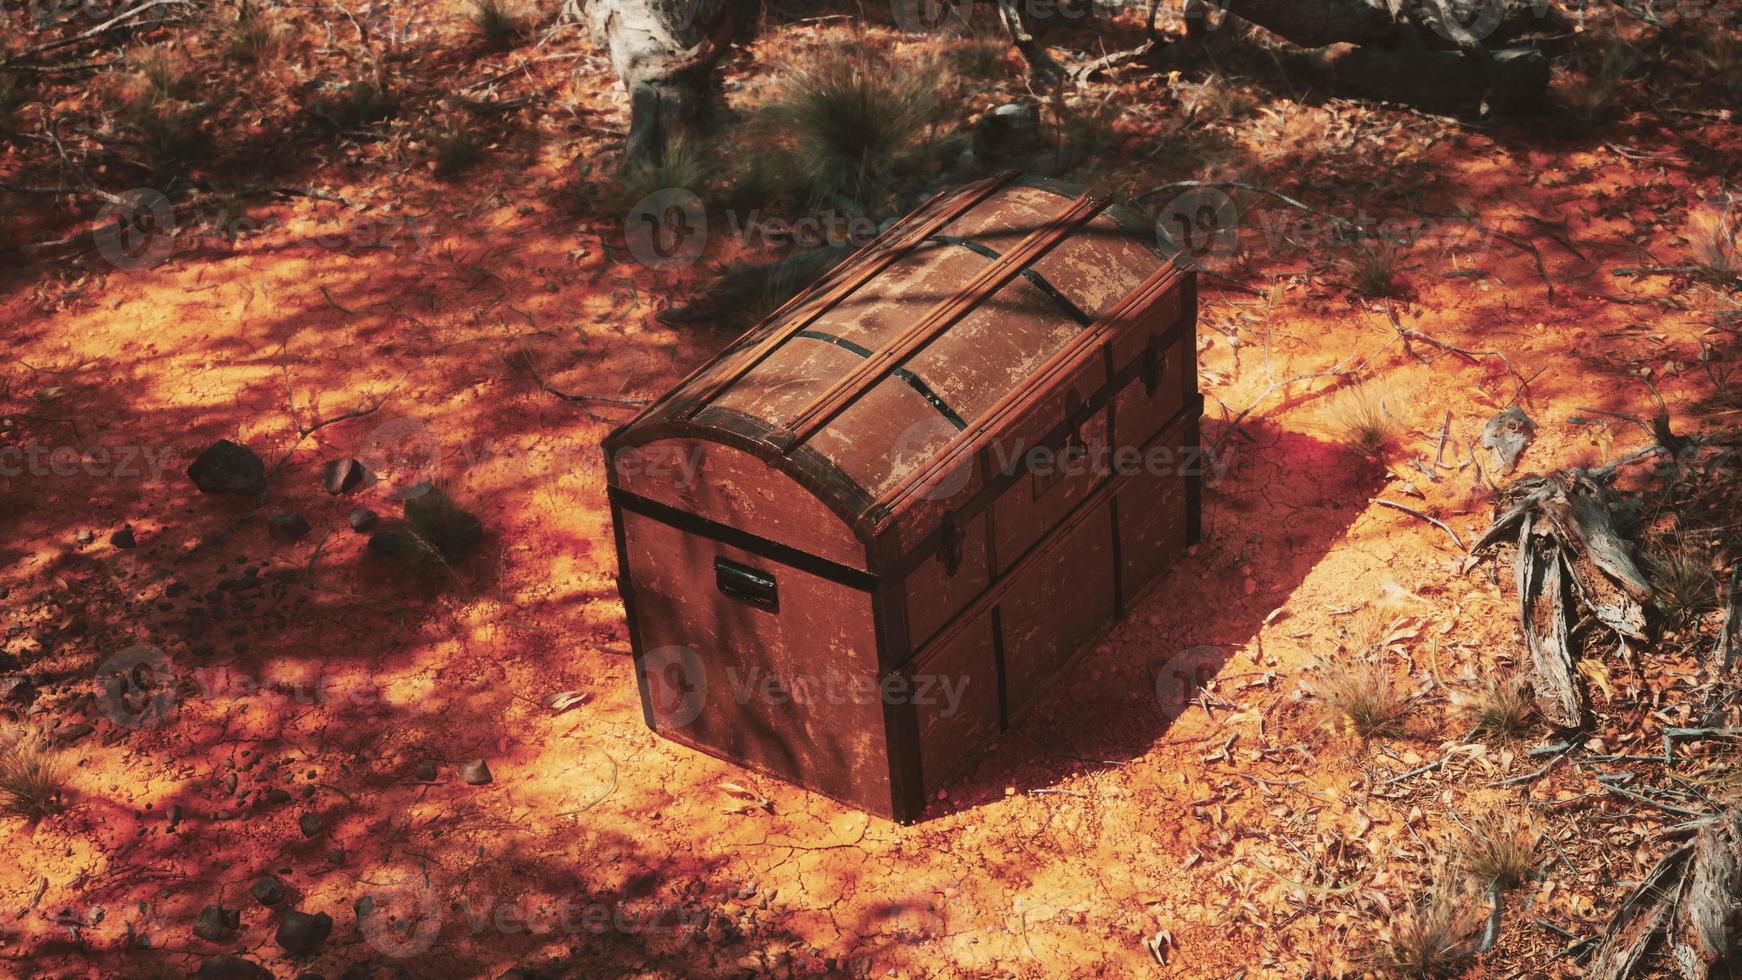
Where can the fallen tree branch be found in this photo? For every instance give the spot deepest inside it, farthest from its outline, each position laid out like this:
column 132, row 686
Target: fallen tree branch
column 1436, row 522
column 112, row 23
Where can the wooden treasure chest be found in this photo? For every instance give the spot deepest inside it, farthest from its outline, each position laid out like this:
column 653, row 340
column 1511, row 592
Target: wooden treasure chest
column 862, row 539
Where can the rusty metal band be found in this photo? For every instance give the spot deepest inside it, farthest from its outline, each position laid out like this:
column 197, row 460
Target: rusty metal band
column 912, row 380
column 1134, row 304
column 873, row 259
column 1039, row 281
column 946, row 314
column 755, row 544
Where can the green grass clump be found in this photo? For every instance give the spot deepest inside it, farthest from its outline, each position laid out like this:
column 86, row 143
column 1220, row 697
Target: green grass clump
column 848, row 121
column 685, row 164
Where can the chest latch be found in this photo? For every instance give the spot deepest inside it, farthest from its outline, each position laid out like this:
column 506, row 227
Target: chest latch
column 1152, row 366
column 950, row 545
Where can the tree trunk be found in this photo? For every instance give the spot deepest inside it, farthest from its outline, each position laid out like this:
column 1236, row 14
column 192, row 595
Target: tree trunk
column 1321, row 22
column 664, row 51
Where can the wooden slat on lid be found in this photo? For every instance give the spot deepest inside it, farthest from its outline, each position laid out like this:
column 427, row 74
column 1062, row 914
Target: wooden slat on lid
column 879, row 255
column 826, row 405
column 970, row 440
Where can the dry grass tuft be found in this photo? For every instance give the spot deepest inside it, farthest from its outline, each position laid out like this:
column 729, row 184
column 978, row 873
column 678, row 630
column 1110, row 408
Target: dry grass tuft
column 500, row 22
column 1502, row 707
column 361, row 102
column 456, row 150
column 1361, row 690
column 1606, row 69
column 254, row 37
column 1216, row 99
column 1715, row 242
column 1358, row 418
column 165, row 74
column 1373, row 268
column 1496, row 848
column 1430, row 940
column 1682, row 576
column 32, row 778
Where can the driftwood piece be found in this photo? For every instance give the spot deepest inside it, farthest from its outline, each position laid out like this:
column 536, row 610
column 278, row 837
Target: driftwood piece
column 1640, row 918
column 1604, row 573
column 1506, row 435
column 1543, row 613
column 1729, row 643
column 1706, row 912
column 1568, row 545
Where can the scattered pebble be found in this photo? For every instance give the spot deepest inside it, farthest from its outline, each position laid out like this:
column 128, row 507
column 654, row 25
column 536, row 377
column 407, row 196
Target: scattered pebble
column 267, row 890
column 476, row 773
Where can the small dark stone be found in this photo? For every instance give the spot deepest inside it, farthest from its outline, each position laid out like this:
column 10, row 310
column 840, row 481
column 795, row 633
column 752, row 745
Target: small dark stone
column 342, row 476
column 362, row 519
column 302, row 933
column 267, row 890
column 426, row 770
column 173, row 815
column 72, row 733
column 475, row 773
column 225, row 467
column 363, row 906
column 124, row 538
column 175, row 589
column 336, row 856
column 286, row 528
column 216, row 923
column 311, row 824
column 277, row 795
column 227, row 967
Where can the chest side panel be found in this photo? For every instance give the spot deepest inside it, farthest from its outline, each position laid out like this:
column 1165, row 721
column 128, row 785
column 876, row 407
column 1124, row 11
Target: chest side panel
column 755, row 661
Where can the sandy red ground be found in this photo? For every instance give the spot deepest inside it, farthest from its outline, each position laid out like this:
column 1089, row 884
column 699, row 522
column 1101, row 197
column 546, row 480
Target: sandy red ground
column 1262, row 836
